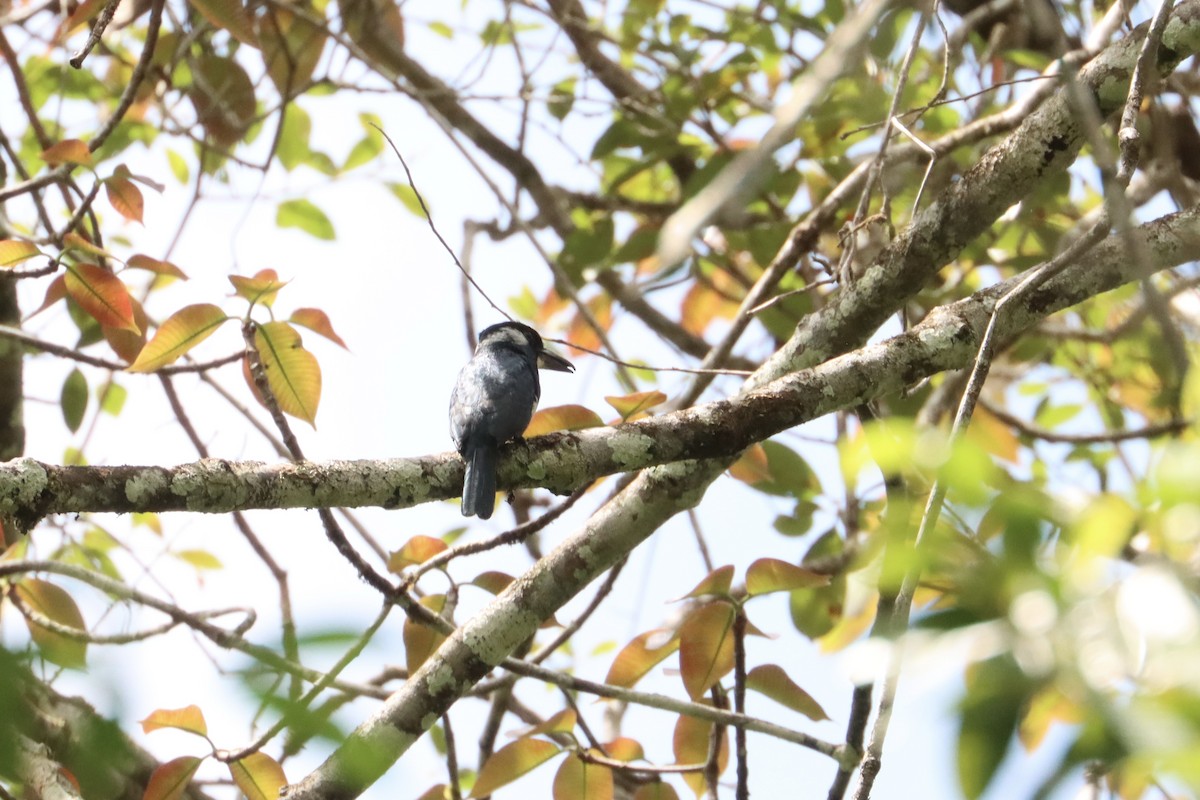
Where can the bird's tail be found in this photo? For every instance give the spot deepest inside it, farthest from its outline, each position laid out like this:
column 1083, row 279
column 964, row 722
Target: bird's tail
column 479, row 484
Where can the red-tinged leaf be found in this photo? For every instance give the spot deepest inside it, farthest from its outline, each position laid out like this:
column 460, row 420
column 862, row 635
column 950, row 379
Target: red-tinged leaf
column 56, row 605
column 416, row 550
column 511, row 762
column 102, row 295
column 718, row 582
column 170, row 780
column 14, row 251
column 656, row 791
column 492, row 581
column 126, row 343
column 317, row 321
column 56, row 291
column 125, row 197
column 625, row 749
column 752, row 466
column 259, row 289
column 421, row 641
column 576, row 779
column 640, row 656
column 156, row 266
column 258, row 776
column 773, row 681
column 706, row 647
column 581, row 333
column 690, row 745
column 189, row 718
column 83, row 13
column 293, row 373
column 562, row 418
column 562, row 722
column 439, row 791
column 636, row 404
column 229, row 15
column 768, row 575
column 183, row 330
column 68, row 151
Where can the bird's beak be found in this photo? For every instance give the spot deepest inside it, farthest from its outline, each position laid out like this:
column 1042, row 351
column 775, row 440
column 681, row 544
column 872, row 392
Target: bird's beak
column 548, row 360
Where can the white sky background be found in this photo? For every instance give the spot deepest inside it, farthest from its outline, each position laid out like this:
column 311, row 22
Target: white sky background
column 393, row 295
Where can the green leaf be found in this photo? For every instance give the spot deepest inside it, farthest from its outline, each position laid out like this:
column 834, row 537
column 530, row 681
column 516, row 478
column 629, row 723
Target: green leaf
column 369, row 147
column 56, row 605
column 182, row 331
column 179, row 166
column 74, row 399
column 996, row 693
column 408, row 196
column 303, row 214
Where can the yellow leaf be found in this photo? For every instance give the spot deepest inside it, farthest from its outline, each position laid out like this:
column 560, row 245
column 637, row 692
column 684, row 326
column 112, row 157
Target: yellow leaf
column 562, row 418
column 511, row 762
column 690, row 744
column 260, row 289
column 14, row 251
column 416, row 550
column 125, row 197
column 706, row 646
column 182, row 331
column 768, row 575
column 640, row 656
column 189, row 718
column 717, row 582
column 773, row 681
column 293, row 373
column 421, row 641
column 258, row 776
column 56, row 605
column 576, row 779
column 140, row 261
column 68, row 151
column 636, row 403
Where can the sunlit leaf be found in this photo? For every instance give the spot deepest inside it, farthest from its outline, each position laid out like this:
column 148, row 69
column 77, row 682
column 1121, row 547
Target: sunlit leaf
column 170, row 780
column 293, row 374
column 768, row 575
column 14, row 251
column 562, row 722
column 690, row 744
column 258, row 776
column 562, row 418
column 200, row 559
column 261, row 288
column 408, row 197
column 126, row 343
column 772, row 681
column 578, row 780
column 181, row 331
column 317, row 321
column 188, row 718
column 305, row 215
column 717, row 582
column 416, row 550
column 102, row 295
column 1046, row 708
column 706, row 646
column 156, row 266
column 74, row 399
column 56, row 605
column 229, row 15
column 492, row 581
column 68, row 151
column 511, row 762
column 640, row 656
column 752, row 466
column 636, row 404
column 421, row 641
column 73, row 241
column 659, row 790
column 625, row 749
column 291, row 47
column 125, row 197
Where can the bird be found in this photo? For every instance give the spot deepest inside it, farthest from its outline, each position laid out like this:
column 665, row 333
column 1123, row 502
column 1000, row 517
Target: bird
column 493, row 400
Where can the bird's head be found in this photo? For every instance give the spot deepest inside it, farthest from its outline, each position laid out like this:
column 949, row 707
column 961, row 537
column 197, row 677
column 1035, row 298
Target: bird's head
column 521, row 337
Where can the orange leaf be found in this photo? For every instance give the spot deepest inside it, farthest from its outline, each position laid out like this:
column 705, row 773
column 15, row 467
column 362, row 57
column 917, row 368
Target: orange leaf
column 492, row 581
column 640, row 656
column 578, row 780
column 416, row 550
column 656, row 791
column 717, row 582
column 993, row 436
column 625, row 749
column 170, row 780
column 773, row 681
column 636, row 403
column 706, row 646
column 56, row 605
column 228, row 15
column 752, row 466
column 562, row 418
column 125, row 197
column 317, row 321
column 124, row 342
column 293, row 373
column 421, row 641
column 768, row 575
column 102, row 295
column 562, row 722
column 690, row 745
column 260, row 289
column 14, row 251
column 511, row 762
column 56, row 291
column 584, row 335
column 258, row 776
column 140, row 261
column 183, row 330
column 435, row 792
column 68, row 151
column 189, row 718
